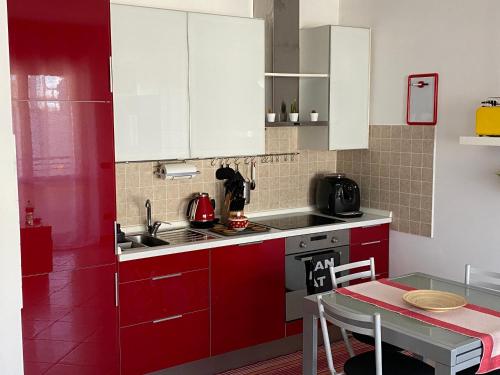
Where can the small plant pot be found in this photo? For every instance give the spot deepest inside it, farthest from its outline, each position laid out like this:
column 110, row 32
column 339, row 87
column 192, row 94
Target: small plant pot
column 294, row 117
column 314, row 116
column 271, row 117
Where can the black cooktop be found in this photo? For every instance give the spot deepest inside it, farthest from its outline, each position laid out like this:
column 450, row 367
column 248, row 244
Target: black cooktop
column 295, row 221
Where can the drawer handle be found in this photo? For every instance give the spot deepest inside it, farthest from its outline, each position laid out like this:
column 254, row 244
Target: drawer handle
column 370, row 243
column 167, row 318
column 167, row 276
column 250, row 243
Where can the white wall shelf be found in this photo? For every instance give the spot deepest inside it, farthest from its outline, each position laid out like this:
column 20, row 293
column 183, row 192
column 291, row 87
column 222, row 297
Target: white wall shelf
column 298, row 75
column 480, row 141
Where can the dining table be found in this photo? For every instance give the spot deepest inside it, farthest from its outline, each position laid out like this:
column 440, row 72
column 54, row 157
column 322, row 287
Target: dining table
column 450, row 352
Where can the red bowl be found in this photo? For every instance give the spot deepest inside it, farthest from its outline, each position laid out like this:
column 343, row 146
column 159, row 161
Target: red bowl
column 237, row 223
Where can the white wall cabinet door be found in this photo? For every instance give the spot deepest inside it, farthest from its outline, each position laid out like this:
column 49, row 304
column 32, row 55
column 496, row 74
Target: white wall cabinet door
column 150, row 83
column 226, row 85
column 349, row 87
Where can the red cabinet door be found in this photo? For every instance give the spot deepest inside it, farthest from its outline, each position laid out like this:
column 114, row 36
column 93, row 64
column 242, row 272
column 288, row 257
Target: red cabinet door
column 65, row 164
column 247, row 295
column 59, row 50
column 379, row 250
column 150, row 299
column 164, row 343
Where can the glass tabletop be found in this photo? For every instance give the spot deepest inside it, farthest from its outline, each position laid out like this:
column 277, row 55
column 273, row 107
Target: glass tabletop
column 477, row 296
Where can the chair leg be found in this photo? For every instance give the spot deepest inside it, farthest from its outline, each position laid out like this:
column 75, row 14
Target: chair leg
column 347, row 342
column 328, row 348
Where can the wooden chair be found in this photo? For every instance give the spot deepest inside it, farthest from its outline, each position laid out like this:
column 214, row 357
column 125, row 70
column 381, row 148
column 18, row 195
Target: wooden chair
column 336, row 281
column 369, row 363
column 485, row 279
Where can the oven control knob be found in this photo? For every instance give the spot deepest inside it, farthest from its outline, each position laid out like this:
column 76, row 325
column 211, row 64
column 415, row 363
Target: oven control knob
column 302, row 244
column 334, row 240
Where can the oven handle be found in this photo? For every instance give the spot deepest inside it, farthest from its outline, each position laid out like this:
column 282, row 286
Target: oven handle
column 308, row 257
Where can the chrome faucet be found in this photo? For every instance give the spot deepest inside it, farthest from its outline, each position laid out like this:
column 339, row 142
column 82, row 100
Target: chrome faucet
column 152, row 227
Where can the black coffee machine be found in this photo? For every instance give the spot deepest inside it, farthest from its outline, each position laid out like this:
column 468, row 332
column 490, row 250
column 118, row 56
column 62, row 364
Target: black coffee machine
column 338, row 196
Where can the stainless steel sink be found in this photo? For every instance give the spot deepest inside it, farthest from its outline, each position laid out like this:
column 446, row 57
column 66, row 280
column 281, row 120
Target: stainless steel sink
column 146, row 240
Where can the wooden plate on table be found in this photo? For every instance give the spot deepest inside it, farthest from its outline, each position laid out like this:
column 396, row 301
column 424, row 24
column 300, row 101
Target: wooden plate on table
column 434, row 300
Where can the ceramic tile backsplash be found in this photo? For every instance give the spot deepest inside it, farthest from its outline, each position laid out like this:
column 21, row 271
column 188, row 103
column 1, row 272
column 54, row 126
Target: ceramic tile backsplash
column 396, row 173
column 280, row 184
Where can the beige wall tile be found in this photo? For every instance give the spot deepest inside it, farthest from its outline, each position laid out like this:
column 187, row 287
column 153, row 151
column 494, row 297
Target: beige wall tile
column 417, row 132
column 387, row 173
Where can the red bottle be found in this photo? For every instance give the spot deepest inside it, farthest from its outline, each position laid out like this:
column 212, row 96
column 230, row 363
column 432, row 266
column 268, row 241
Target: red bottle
column 30, row 211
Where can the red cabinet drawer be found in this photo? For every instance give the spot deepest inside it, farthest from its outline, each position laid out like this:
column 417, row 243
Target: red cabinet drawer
column 376, row 249
column 146, row 300
column 157, row 345
column 369, row 234
column 163, row 265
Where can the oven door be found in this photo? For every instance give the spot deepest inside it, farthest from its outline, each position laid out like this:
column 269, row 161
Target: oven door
column 296, row 277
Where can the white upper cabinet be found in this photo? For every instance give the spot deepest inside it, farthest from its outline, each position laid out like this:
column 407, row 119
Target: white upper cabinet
column 345, row 52
column 150, row 83
column 349, row 87
column 226, row 85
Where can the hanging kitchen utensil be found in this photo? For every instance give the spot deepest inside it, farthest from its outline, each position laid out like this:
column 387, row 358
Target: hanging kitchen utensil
column 252, row 175
column 220, row 172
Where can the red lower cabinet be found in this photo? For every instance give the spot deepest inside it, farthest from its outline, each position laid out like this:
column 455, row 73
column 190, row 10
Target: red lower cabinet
column 367, row 242
column 164, row 311
column 294, row 327
column 247, row 295
column 166, row 342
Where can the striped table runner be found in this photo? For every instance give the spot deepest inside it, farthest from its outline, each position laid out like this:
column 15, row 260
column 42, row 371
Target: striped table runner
column 471, row 320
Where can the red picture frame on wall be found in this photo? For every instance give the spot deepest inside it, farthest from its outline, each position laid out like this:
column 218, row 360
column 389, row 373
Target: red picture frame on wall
column 422, row 100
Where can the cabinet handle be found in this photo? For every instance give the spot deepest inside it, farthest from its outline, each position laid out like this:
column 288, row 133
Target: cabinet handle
column 116, row 290
column 250, row 243
column 167, row 276
column 370, row 243
column 116, row 241
column 167, row 318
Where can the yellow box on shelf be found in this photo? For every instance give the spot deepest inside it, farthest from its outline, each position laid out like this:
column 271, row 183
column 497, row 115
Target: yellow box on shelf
column 488, row 121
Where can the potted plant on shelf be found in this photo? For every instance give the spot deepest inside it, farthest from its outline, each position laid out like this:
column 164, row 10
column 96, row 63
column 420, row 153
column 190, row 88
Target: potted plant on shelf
column 314, row 115
column 294, row 112
column 283, row 111
column 271, row 116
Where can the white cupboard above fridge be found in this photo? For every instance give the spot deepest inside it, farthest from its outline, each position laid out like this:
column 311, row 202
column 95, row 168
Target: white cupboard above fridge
column 186, row 85
column 150, row 83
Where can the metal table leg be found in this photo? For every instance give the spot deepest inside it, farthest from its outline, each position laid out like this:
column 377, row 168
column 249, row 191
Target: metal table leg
column 310, row 344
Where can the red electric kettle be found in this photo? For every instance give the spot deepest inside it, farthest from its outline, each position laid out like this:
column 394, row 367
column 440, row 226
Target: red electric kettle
column 200, row 211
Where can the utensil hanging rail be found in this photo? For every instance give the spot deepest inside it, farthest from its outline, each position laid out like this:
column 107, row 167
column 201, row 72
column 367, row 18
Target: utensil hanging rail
column 264, row 158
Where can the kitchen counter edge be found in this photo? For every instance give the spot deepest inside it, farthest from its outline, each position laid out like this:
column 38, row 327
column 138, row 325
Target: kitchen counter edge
column 365, row 221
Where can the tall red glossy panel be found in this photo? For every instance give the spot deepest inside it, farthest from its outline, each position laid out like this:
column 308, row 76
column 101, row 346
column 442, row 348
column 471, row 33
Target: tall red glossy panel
column 59, row 49
column 63, row 122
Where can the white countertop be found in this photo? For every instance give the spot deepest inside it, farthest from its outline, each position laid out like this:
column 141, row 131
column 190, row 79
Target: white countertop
column 370, row 217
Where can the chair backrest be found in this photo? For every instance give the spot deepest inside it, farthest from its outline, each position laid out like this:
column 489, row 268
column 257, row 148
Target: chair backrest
column 370, row 272
column 360, row 323
column 483, row 278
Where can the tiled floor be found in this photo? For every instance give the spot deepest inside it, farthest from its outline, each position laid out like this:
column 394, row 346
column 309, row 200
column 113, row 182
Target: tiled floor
column 291, row 364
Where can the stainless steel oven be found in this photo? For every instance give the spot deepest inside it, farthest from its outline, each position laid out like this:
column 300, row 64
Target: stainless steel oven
column 330, row 247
